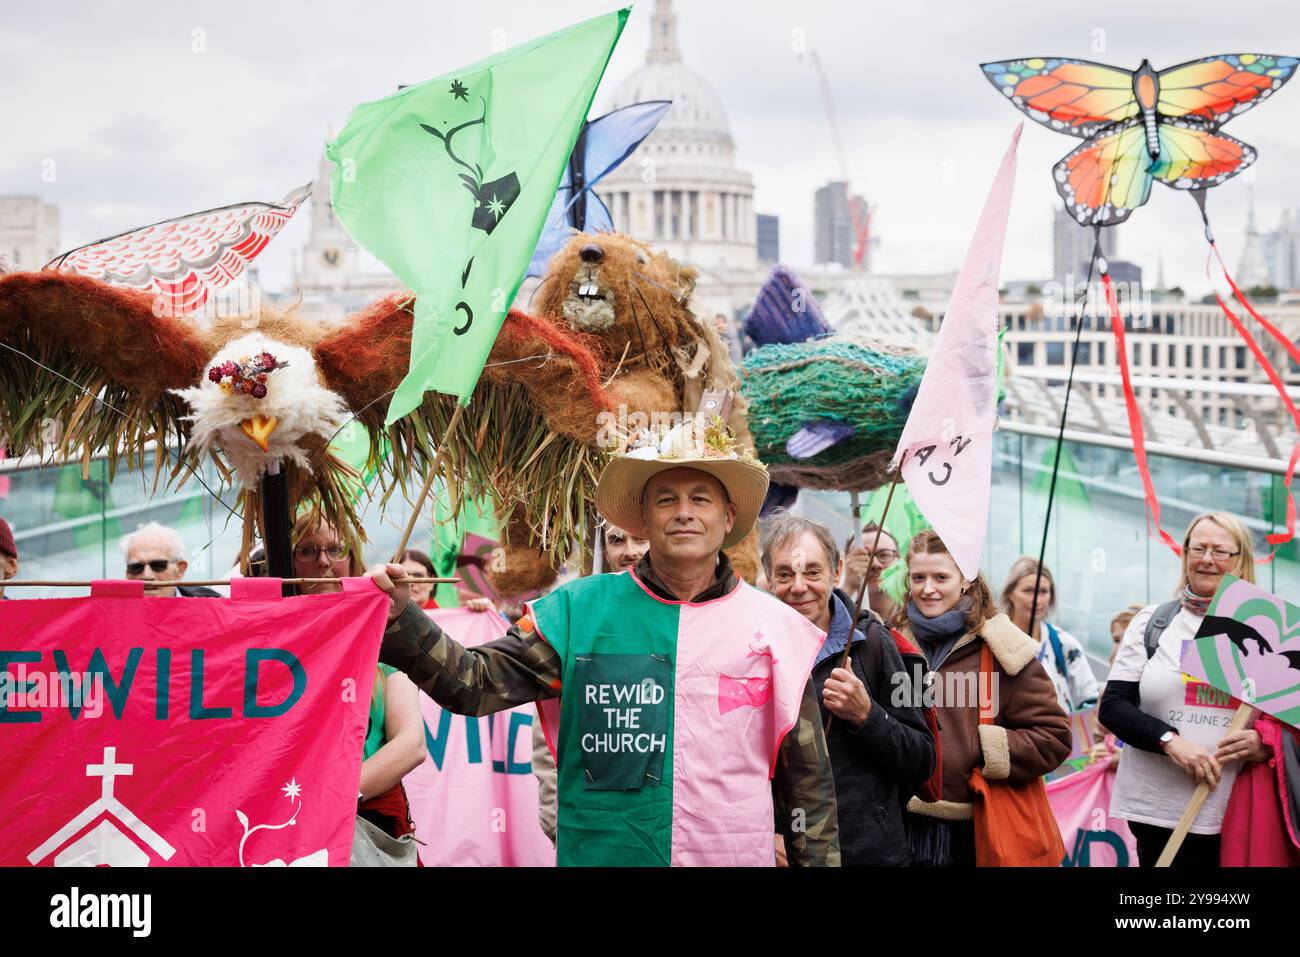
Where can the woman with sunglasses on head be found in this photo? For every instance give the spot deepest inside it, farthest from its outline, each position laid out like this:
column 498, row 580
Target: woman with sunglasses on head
column 394, row 743
column 1174, row 728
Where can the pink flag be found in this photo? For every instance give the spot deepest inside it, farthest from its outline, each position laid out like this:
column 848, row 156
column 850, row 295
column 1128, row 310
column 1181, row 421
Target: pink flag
column 474, row 800
column 185, row 731
column 948, row 439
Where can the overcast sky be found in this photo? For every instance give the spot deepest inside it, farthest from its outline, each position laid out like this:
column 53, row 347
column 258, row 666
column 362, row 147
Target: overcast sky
column 154, row 109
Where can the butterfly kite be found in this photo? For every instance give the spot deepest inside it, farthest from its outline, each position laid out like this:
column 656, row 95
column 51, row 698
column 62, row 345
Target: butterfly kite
column 1140, row 126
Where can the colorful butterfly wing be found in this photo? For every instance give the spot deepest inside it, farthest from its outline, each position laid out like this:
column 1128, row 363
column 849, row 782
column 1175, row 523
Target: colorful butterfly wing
column 1217, row 88
column 1103, row 180
column 185, row 260
column 1070, row 96
column 1192, row 157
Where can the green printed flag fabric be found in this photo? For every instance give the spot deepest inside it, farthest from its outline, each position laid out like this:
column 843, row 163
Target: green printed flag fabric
column 449, row 182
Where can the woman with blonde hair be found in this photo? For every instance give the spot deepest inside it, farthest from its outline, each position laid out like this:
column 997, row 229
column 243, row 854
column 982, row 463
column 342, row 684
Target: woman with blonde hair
column 394, row 742
column 1059, row 652
column 953, row 619
column 1174, row 727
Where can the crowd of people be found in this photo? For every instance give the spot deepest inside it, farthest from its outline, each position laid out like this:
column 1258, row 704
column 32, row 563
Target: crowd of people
column 878, row 767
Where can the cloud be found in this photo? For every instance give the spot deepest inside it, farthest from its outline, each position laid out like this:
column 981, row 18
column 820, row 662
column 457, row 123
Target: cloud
column 158, row 109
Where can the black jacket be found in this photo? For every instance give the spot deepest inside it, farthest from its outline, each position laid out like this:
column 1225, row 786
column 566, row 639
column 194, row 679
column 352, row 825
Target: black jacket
column 879, row 766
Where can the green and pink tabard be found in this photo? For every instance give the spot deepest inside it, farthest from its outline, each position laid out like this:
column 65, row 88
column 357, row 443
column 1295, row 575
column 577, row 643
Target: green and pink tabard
column 669, row 720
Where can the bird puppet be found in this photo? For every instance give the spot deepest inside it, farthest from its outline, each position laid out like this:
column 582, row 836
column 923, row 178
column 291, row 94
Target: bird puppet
column 90, row 368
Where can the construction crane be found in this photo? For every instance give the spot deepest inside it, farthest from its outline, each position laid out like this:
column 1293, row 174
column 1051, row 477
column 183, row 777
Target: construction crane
column 859, row 211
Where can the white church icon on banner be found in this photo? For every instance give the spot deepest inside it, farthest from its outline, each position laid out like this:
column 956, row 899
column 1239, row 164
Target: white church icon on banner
column 106, row 844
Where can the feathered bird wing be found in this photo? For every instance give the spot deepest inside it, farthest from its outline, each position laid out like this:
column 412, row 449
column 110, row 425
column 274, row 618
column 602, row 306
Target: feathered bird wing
column 71, row 346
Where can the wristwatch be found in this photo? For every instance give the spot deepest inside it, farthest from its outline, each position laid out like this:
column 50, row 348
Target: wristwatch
column 1167, row 737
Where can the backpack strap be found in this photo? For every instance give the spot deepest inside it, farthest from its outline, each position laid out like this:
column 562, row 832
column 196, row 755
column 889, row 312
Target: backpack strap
column 1058, row 652
column 1157, row 623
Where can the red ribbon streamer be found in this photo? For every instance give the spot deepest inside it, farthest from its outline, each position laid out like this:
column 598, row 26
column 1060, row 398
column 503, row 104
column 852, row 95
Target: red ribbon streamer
column 1135, row 428
column 1240, row 296
column 1278, row 385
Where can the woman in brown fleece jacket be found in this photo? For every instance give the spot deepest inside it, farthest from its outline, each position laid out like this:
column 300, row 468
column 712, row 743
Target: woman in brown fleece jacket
column 952, row 619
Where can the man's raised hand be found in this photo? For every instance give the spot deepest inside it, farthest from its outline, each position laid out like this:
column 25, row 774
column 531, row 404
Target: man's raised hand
column 392, row 581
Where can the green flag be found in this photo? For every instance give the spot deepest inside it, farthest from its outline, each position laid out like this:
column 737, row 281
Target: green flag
column 449, row 183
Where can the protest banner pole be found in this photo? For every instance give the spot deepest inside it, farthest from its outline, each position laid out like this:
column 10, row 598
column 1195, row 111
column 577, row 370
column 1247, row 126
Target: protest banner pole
column 1199, row 797
column 428, row 483
column 862, row 586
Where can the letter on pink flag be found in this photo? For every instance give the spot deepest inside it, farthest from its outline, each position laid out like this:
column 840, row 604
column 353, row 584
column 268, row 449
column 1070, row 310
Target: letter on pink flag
column 948, row 439
column 1081, row 805
column 474, row 799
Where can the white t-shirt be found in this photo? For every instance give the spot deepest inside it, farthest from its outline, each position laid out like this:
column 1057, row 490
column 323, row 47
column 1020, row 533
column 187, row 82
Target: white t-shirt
column 1150, row 788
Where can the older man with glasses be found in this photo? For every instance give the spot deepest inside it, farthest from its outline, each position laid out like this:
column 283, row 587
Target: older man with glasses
column 156, row 553
column 861, row 560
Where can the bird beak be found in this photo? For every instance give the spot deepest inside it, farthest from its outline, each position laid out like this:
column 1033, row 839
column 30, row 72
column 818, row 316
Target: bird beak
column 259, row 429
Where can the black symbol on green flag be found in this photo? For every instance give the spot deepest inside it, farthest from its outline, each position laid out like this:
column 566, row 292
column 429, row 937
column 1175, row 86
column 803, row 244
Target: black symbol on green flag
column 492, row 200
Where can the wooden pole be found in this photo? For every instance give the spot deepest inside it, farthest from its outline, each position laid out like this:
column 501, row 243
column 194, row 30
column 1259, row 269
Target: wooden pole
column 428, row 483
column 862, row 586
column 1198, row 798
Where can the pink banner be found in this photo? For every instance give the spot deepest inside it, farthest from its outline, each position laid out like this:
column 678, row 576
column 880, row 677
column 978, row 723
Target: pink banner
column 948, row 438
column 474, row 800
column 185, row 731
column 1081, row 804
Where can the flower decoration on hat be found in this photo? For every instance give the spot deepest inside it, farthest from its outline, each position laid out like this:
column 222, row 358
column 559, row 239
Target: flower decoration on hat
column 247, row 376
column 693, row 439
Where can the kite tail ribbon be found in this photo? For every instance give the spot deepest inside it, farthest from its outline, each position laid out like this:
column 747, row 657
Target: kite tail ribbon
column 1136, row 430
column 1282, row 538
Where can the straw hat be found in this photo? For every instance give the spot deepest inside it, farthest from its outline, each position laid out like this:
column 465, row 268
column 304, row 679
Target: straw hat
column 708, row 447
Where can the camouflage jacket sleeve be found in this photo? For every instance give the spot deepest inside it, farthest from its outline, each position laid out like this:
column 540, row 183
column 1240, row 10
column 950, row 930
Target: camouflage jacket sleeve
column 806, row 791
column 516, row 669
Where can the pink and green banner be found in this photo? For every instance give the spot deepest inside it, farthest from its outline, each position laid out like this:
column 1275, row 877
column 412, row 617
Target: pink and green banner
column 1081, row 805
column 1248, row 646
column 185, row 731
column 474, row 799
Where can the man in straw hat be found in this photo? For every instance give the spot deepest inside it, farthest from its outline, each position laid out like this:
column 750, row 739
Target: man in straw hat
column 672, row 694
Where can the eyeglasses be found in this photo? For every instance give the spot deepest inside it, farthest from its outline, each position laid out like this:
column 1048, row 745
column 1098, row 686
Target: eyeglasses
column 813, row 575
column 308, row 553
column 886, row 556
column 158, row 565
column 1218, row 554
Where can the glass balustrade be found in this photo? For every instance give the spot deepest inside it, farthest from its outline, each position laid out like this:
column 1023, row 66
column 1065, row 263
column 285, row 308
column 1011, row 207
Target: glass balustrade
column 1098, row 546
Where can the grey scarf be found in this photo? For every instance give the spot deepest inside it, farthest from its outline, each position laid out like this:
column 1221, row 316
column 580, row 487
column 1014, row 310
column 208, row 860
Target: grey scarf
column 937, row 635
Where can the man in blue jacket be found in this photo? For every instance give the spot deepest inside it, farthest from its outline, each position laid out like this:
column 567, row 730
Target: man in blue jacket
column 880, row 746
